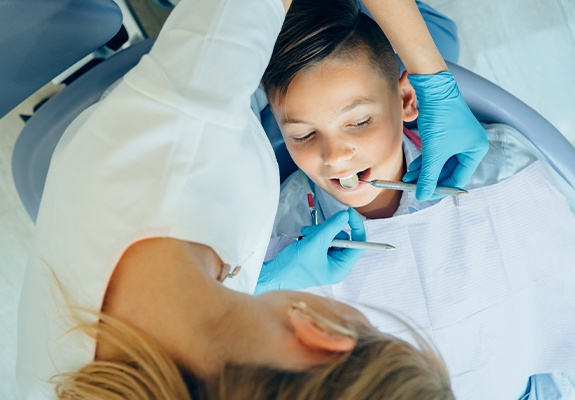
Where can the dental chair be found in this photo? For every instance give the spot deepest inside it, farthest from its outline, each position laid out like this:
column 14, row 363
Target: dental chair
column 40, row 136
column 41, row 39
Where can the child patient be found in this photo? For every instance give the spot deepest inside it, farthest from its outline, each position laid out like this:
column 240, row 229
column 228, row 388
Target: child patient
column 472, row 277
column 341, row 108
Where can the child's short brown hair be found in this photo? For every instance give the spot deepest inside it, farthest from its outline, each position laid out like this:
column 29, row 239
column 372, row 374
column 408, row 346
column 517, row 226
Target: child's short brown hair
column 317, row 29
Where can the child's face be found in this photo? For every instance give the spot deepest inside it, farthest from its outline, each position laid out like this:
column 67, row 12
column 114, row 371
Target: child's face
column 341, row 118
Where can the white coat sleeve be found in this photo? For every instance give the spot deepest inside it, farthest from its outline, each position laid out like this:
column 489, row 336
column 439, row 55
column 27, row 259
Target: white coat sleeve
column 216, row 69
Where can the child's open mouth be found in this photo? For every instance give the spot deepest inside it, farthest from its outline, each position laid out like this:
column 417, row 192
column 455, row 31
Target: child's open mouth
column 361, row 174
column 350, row 182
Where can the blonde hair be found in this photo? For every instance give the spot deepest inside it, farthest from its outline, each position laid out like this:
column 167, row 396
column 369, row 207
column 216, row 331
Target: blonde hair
column 380, row 366
column 140, row 368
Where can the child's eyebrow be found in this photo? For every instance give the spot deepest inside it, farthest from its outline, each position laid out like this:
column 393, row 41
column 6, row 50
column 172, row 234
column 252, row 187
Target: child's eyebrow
column 286, row 121
column 357, row 102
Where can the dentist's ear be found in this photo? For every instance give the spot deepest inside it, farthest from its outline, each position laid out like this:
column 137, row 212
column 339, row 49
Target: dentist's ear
column 408, row 97
column 318, row 333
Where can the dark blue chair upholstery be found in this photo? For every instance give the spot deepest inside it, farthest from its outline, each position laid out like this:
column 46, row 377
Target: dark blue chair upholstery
column 41, row 39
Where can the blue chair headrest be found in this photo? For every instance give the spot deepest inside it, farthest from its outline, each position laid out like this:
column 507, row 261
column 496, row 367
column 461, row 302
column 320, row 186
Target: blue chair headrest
column 40, row 39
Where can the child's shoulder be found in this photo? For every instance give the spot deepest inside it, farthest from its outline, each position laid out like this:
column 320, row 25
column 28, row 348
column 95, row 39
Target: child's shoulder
column 293, row 210
column 294, row 189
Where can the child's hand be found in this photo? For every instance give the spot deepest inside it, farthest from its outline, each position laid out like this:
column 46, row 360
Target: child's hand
column 310, row 261
column 453, row 141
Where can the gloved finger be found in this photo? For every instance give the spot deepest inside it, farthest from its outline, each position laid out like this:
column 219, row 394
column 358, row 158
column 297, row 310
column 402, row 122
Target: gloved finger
column 448, row 170
column 341, row 261
column 411, row 176
column 311, row 229
column 446, row 176
column 325, row 232
column 413, row 171
column 427, row 182
column 343, row 235
column 356, row 225
column 461, row 174
column 415, row 164
column 308, row 230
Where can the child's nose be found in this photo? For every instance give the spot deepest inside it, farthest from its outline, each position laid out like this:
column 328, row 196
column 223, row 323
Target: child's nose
column 335, row 151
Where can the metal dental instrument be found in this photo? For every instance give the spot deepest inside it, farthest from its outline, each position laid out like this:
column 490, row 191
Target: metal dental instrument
column 346, row 244
column 398, row 185
column 352, row 244
column 351, row 182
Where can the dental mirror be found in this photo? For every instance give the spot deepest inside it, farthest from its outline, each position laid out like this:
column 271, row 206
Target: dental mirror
column 350, row 182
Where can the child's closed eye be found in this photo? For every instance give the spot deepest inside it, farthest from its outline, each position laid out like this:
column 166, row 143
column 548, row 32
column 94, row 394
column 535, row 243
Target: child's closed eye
column 362, row 123
column 302, row 139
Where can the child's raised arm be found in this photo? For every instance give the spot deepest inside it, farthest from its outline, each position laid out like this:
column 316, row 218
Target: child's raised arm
column 453, row 141
column 406, row 30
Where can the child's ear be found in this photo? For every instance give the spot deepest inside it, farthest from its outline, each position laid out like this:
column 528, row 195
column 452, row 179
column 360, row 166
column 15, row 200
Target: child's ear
column 317, row 337
column 409, row 99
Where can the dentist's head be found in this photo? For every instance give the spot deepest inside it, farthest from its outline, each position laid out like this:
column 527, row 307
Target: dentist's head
column 156, row 341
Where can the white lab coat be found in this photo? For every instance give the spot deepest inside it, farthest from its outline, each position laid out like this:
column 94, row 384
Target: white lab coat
column 174, row 151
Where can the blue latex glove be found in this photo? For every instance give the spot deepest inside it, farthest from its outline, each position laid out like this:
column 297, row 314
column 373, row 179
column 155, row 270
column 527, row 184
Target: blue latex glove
column 310, row 261
column 453, row 141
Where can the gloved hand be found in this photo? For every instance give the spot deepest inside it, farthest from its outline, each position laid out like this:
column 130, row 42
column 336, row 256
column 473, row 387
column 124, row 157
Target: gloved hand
column 453, row 141
column 310, row 261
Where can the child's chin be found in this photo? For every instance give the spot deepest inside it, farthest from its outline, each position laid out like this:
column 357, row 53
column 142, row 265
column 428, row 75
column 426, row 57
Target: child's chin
column 355, row 203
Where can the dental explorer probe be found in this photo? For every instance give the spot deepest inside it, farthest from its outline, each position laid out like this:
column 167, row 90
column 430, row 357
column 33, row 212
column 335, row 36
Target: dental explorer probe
column 351, row 183
column 398, row 185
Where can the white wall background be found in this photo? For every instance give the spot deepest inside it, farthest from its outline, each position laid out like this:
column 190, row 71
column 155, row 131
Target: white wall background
column 525, row 46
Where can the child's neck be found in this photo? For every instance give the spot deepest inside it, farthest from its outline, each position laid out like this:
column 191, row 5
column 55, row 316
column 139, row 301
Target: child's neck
column 386, row 204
